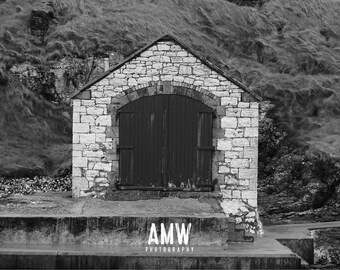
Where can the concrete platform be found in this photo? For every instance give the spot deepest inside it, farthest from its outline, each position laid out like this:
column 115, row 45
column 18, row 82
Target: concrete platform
column 62, row 204
column 298, row 237
column 264, row 253
column 53, row 230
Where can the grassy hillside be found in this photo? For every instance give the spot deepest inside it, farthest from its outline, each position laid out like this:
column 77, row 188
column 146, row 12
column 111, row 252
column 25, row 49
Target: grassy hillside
column 34, row 133
column 287, row 51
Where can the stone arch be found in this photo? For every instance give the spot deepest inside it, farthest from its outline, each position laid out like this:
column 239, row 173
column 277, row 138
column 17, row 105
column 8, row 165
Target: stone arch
column 168, row 88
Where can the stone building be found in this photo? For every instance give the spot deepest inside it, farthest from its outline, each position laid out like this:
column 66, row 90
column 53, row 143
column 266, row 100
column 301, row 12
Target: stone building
column 127, row 136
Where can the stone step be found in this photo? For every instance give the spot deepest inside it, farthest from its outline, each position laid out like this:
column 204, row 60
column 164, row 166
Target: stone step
column 116, row 230
column 264, row 253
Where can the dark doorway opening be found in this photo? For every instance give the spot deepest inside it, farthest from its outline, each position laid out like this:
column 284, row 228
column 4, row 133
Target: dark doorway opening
column 165, row 143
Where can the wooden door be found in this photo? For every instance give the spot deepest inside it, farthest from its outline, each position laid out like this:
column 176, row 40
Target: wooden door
column 165, row 142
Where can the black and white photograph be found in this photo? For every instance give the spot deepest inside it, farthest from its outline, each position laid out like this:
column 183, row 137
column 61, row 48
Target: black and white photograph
column 170, row 134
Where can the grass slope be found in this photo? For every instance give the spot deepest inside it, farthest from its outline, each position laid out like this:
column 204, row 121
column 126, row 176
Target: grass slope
column 288, row 51
column 34, row 134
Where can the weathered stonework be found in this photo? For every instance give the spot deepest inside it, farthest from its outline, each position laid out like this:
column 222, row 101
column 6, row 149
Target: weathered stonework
column 166, row 68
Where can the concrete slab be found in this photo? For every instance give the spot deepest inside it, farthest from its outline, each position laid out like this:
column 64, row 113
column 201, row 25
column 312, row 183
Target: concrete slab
column 298, row 237
column 62, row 204
column 264, row 253
column 297, row 231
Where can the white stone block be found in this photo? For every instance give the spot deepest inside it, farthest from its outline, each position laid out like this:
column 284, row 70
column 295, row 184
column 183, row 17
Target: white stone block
column 98, row 92
column 75, row 138
column 182, row 53
column 94, row 110
column 78, row 108
column 254, row 105
column 167, row 77
column 236, row 194
column 94, row 147
column 249, row 152
column 86, row 102
column 143, row 80
column 178, row 78
column 103, row 82
column 81, row 127
column 240, row 142
column 189, row 80
column 100, row 138
column 76, row 172
column 251, row 132
column 221, row 93
column 101, row 180
column 211, row 82
column 229, row 101
column 79, row 162
column 230, row 180
column 229, row 122
column 99, row 154
column 79, row 183
column 146, row 53
column 223, row 169
column 163, row 47
column 201, row 70
column 176, row 48
column 76, row 117
column 102, row 166
column 87, row 119
column 132, row 82
column 243, row 104
column 97, row 129
column 232, row 154
column 233, row 133
column 248, row 173
column 165, row 59
column 226, row 193
column 78, row 146
column 189, row 59
column 103, row 120
column 184, row 70
column 106, row 100
column 254, row 141
column 252, row 202
column 117, row 75
column 140, row 70
column 87, row 138
column 224, row 144
column 76, row 153
column 170, row 70
column 249, row 194
column 239, row 163
column 92, row 173
column 118, row 82
column 197, row 83
column 254, row 122
column 233, row 112
column 157, row 66
column 244, row 122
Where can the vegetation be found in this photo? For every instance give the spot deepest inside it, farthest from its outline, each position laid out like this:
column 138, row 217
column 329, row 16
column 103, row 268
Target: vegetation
column 288, row 52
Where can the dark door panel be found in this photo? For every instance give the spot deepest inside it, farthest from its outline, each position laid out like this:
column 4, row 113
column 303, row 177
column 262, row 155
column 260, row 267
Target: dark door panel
column 165, row 142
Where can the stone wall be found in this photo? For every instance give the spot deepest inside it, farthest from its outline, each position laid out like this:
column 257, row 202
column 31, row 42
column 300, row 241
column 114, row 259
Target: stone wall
column 166, row 68
column 58, row 80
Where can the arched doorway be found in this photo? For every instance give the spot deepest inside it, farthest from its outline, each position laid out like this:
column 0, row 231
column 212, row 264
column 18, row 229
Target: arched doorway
column 165, row 143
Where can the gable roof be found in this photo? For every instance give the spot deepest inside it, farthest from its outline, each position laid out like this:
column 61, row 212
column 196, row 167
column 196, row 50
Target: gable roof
column 175, row 40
